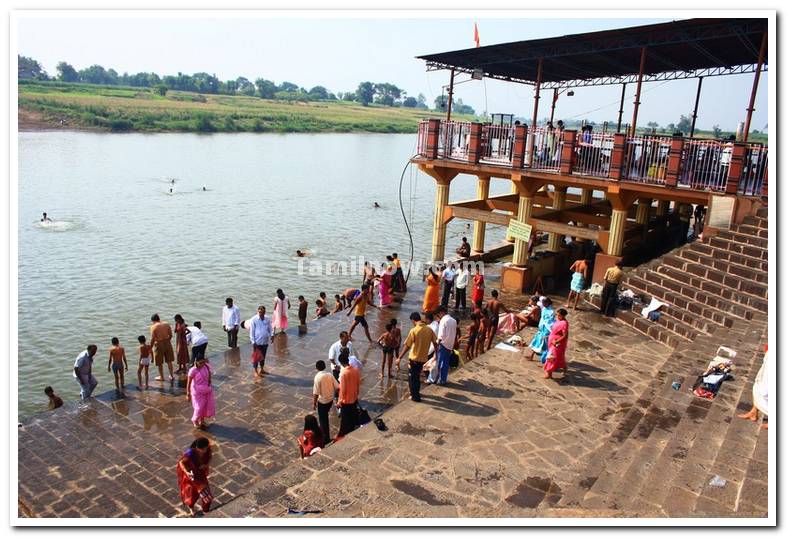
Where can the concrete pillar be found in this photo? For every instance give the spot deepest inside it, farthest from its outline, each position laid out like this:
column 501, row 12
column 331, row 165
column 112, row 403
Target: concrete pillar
column 617, row 230
column 514, row 190
column 524, row 212
column 558, row 203
column 479, row 228
column 643, row 213
column 662, row 208
column 438, row 226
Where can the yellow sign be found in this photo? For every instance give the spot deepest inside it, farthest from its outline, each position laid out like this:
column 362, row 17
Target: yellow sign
column 519, row 230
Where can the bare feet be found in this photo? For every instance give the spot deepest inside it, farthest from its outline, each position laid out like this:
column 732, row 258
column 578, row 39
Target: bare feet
column 159, row 379
column 750, row 415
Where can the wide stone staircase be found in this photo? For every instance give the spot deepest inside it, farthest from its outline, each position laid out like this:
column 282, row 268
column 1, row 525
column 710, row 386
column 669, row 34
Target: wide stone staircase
column 670, row 444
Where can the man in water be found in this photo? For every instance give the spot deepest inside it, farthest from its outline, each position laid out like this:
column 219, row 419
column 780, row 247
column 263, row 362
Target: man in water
column 46, row 218
column 464, row 248
column 376, row 205
column 230, row 319
column 161, row 341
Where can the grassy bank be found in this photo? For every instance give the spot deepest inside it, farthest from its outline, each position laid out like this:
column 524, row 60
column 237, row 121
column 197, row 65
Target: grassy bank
column 117, row 108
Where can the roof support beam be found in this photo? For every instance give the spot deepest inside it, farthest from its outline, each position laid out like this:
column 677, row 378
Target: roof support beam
column 753, row 96
column 639, row 91
column 696, row 105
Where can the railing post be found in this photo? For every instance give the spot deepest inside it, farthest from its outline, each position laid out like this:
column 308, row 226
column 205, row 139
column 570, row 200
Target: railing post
column 617, row 157
column 675, row 162
column 764, row 188
column 474, row 145
column 736, row 168
column 568, row 154
column 432, row 138
column 520, row 142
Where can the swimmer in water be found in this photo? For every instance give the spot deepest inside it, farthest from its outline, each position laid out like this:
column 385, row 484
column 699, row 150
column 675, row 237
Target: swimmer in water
column 46, row 218
column 170, row 191
column 376, row 205
column 300, row 254
column 204, row 189
column 173, row 181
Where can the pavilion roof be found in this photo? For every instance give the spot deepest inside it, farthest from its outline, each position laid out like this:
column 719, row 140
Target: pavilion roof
column 679, row 49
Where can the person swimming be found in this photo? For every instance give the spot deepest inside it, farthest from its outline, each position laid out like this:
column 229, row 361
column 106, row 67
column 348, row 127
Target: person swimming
column 300, row 254
column 45, row 218
column 204, row 189
column 376, row 205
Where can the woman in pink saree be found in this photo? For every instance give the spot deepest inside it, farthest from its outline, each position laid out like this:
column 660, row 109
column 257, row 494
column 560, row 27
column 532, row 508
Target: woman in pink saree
column 557, row 343
column 280, row 306
column 199, row 392
column 384, row 287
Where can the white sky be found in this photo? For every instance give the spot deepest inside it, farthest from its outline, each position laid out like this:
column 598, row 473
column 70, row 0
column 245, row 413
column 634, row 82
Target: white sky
column 339, row 53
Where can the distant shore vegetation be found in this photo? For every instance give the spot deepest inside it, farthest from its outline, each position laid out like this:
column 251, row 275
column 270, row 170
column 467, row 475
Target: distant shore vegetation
column 101, row 98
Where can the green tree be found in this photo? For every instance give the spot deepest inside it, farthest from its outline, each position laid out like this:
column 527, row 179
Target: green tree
column 245, row 86
column 266, row 89
column 348, row 96
column 422, row 102
column 365, row 93
column 386, row 93
column 653, row 125
column 441, row 102
column 66, row 73
column 716, row 131
column 459, row 107
column 318, row 93
column 30, row 69
column 684, row 125
column 410, row 102
column 161, row 89
column 288, row 87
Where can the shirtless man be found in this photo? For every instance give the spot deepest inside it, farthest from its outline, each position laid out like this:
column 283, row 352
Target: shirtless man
column 580, row 270
column 347, row 296
column 359, row 307
column 494, row 306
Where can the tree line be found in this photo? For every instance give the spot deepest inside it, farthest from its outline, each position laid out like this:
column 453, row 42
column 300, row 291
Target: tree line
column 380, row 93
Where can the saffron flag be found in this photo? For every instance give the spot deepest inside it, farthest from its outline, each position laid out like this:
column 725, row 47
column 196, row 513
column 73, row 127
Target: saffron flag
column 475, row 36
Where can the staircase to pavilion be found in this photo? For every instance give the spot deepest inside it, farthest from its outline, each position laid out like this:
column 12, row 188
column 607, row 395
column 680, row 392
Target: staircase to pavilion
column 670, row 444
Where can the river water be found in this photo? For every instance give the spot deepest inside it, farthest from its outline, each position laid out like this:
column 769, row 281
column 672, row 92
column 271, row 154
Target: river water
column 123, row 247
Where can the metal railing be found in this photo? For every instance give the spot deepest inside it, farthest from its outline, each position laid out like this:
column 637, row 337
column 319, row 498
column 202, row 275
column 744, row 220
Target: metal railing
column 594, row 152
column 645, row 159
column 705, row 164
column 546, row 146
column 754, row 167
column 453, row 140
column 497, row 144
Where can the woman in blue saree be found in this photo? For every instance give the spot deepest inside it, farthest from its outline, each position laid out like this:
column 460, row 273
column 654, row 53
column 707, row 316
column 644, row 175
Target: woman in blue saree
column 538, row 345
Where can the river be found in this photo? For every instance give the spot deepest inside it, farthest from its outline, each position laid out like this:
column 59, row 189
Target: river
column 123, row 247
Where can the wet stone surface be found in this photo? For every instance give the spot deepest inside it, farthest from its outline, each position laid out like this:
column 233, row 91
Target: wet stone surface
column 498, row 441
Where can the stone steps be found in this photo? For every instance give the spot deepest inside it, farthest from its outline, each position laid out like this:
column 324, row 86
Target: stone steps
column 673, row 318
column 732, row 282
column 735, row 247
column 743, row 238
column 750, row 230
column 685, row 297
column 727, row 267
column 756, row 221
column 671, row 443
column 751, row 295
column 730, row 257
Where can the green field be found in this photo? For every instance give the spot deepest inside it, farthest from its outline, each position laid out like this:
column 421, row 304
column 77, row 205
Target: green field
column 118, row 108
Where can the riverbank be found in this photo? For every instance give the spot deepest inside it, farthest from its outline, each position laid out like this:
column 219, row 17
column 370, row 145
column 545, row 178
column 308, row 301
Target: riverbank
column 48, row 106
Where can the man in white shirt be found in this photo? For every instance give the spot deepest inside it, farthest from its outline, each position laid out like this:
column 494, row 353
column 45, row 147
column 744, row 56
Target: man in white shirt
column 325, row 386
column 333, row 352
column 83, row 372
column 435, row 369
column 230, row 319
column 448, row 283
column 446, row 337
column 460, row 283
column 260, row 334
column 198, row 341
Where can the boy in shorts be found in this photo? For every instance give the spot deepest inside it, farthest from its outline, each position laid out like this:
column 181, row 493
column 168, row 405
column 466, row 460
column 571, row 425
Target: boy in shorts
column 144, row 361
column 386, row 340
column 117, row 359
column 360, row 301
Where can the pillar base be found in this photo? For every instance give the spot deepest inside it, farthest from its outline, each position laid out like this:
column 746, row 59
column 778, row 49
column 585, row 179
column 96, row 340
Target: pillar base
column 515, row 279
column 602, row 263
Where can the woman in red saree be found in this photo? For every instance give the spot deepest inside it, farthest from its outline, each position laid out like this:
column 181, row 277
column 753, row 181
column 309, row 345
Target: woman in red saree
column 478, row 288
column 312, row 438
column 193, row 476
column 557, row 343
column 182, row 346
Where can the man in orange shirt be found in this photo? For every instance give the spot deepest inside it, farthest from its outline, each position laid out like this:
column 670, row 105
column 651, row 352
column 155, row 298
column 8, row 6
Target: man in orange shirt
column 349, row 388
column 161, row 341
